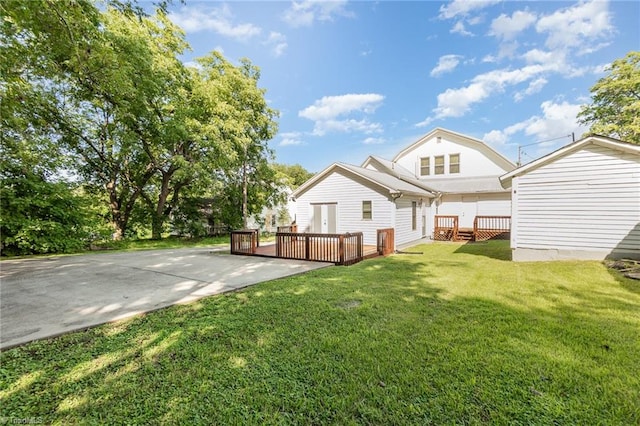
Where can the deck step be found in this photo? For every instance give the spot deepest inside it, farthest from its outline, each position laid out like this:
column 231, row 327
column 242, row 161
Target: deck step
column 465, row 235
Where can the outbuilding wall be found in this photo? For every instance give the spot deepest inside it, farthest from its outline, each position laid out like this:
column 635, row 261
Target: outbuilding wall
column 584, row 205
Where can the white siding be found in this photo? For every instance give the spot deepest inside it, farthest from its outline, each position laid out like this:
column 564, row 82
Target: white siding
column 473, row 162
column 494, row 204
column 348, row 191
column 404, row 211
column 588, row 200
column 467, row 207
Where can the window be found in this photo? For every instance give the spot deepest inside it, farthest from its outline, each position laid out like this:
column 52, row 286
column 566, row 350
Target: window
column 439, row 165
column 424, row 166
column 454, row 163
column 367, row 211
column 414, row 215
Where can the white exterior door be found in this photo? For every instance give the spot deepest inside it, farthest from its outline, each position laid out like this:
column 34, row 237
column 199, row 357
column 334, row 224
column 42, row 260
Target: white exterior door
column 324, row 218
column 469, row 211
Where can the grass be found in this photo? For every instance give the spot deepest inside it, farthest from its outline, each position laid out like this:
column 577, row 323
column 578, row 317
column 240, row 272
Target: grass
column 164, row 243
column 172, row 243
column 457, row 335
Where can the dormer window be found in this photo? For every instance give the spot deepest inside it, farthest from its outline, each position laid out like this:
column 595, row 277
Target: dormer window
column 438, row 168
column 425, row 169
column 454, row 163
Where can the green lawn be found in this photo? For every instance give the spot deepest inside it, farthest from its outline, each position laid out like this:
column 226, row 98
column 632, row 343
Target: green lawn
column 457, row 335
column 164, row 243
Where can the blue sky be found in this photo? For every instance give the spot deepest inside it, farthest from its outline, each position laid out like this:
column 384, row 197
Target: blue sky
column 357, row 78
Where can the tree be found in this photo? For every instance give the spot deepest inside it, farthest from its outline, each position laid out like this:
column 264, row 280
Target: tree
column 242, row 123
column 41, row 213
column 102, row 83
column 106, row 88
column 615, row 104
column 293, row 175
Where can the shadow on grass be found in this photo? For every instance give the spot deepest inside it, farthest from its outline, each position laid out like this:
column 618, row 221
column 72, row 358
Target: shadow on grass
column 629, row 284
column 301, row 350
column 495, row 249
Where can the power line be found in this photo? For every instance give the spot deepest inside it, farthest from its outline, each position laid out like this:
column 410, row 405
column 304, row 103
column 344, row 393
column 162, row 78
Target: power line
column 520, row 152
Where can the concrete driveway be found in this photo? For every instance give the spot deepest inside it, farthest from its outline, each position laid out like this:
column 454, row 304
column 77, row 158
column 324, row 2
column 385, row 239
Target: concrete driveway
column 45, row 297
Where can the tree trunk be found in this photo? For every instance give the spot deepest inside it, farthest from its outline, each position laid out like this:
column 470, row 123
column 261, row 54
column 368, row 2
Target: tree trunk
column 158, row 216
column 244, row 195
column 157, row 223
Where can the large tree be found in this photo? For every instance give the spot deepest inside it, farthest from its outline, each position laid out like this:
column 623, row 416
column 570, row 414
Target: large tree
column 70, row 72
column 615, row 105
column 292, row 175
column 107, row 89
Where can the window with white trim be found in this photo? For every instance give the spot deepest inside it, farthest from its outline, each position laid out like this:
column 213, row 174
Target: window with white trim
column 438, row 167
column 454, row 163
column 425, row 169
column 367, row 210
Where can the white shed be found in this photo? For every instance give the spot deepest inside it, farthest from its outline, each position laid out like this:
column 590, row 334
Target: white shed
column 579, row 202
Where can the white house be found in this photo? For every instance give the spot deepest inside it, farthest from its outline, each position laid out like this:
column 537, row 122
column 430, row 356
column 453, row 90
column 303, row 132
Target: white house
column 579, row 202
column 443, row 173
column 283, row 213
column 463, row 171
column 346, row 198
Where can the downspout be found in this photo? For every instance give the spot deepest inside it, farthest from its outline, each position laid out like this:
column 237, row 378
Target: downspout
column 395, row 196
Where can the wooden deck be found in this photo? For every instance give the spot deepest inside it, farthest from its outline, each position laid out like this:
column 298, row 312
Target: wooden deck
column 484, row 228
column 269, row 250
column 340, row 249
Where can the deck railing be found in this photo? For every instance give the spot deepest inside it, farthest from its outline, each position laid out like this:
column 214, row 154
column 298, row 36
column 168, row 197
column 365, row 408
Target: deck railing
column 445, row 228
column 341, row 249
column 287, row 228
column 245, row 241
column 491, row 227
column 385, row 244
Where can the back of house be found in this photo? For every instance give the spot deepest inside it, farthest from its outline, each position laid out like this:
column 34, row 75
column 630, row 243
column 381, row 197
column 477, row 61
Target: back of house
column 442, row 174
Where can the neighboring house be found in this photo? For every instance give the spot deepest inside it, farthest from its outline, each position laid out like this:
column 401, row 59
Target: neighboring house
column 579, row 202
column 443, row 173
column 268, row 220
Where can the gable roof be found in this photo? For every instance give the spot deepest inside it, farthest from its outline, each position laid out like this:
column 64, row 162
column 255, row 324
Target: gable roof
column 489, row 152
column 383, row 180
column 385, row 166
column 604, row 141
column 388, row 166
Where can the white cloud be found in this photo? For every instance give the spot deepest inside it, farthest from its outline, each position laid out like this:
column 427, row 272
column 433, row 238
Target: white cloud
column 573, row 26
column 446, row 63
column 325, row 113
column 277, row 42
column 374, row 141
column 459, row 28
column 306, row 12
column 219, row 20
column 332, row 106
column 457, row 102
column 346, row 126
column 490, row 59
column 506, row 28
column 556, row 121
column 534, row 87
column 537, row 56
column 495, row 138
column 463, row 7
column 291, row 139
column 427, row 121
